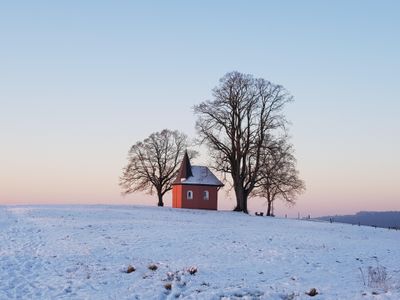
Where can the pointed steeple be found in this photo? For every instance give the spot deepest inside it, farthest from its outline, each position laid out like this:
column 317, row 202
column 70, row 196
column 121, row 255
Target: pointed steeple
column 185, row 170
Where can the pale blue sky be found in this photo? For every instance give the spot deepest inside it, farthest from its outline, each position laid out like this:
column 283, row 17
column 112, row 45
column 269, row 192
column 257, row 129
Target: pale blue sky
column 80, row 81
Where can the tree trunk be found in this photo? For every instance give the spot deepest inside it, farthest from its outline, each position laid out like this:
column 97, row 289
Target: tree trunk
column 241, row 200
column 160, row 200
column 269, row 208
column 269, row 202
column 245, row 205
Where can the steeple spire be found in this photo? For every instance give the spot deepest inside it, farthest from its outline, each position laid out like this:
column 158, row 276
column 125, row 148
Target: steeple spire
column 185, row 170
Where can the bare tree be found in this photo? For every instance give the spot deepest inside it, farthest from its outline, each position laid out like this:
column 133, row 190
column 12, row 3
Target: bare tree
column 279, row 176
column 153, row 163
column 235, row 125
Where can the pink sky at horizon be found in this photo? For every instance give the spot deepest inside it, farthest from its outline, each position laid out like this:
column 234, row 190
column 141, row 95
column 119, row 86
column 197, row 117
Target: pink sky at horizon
column 342, row 198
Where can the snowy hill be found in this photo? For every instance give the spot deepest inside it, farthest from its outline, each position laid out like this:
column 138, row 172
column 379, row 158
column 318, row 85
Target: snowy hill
column 83, row 252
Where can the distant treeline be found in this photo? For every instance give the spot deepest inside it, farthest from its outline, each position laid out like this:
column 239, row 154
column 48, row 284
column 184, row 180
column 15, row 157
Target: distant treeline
column 383, row 219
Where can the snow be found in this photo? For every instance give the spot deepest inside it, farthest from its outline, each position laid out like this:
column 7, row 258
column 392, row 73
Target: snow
column 83, row 252
column 202, row 175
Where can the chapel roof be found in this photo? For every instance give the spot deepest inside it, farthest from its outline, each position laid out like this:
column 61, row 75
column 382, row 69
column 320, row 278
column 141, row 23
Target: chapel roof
column 195, row 175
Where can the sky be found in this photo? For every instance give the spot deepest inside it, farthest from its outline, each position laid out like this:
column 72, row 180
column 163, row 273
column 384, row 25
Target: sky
column 81, row 81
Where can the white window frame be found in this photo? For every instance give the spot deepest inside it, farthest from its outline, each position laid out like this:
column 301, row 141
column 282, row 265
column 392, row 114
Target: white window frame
column 189, row 195
column 206, row 195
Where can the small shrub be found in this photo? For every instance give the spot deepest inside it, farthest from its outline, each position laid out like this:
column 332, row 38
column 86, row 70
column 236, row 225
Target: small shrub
column 153, row 267
column 192, row 270
column 377, row 277
column 130, row 269
column 313, row 292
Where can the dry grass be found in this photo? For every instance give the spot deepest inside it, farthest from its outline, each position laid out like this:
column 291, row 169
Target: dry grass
column 377, row 277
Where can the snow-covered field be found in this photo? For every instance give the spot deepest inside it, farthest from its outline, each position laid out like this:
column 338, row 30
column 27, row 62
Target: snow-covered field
column 83, row 252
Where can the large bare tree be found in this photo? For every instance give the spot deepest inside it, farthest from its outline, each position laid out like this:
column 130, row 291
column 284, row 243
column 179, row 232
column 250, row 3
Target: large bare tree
column 279, row 176
column 234, row 125
column 154, row 162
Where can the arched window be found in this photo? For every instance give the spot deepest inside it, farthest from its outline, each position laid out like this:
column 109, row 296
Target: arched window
column 189, row 195
column 206, row 195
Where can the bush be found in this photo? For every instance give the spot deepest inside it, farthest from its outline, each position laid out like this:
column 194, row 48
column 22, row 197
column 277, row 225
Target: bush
column 130, row 269
column 192, row 270
column 153, row 267
column 313, row 292
column 377, row 277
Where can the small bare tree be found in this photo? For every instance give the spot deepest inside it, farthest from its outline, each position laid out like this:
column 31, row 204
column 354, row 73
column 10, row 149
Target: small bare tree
column 235, row 124
column 279, row 176
column 154, row 162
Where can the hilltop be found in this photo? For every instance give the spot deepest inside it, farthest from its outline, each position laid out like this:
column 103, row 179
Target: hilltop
column 78, row 252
